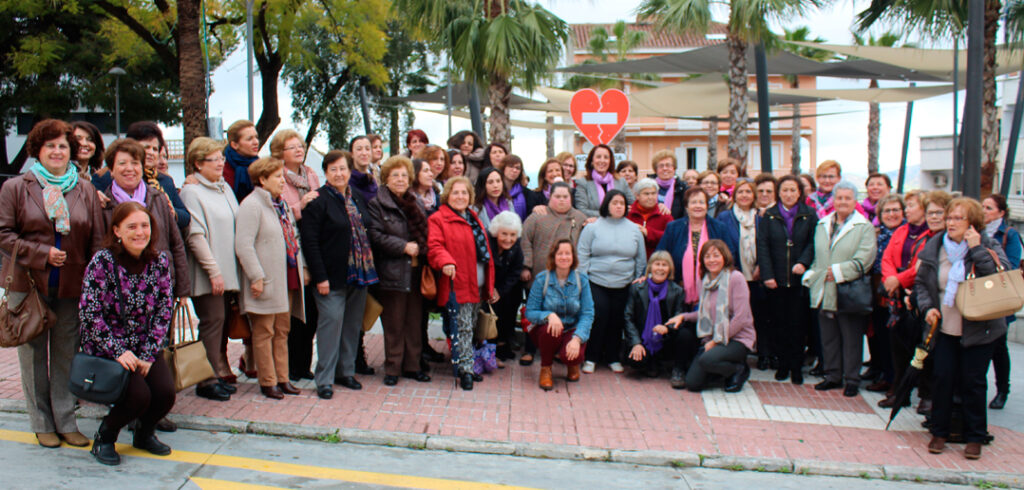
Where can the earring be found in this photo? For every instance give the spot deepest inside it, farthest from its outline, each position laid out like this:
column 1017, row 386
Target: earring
column 118, row 240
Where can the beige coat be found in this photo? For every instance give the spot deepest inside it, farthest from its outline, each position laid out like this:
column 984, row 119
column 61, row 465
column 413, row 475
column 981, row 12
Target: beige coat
column 849, row 253
column 262, row 253
column 214, row 209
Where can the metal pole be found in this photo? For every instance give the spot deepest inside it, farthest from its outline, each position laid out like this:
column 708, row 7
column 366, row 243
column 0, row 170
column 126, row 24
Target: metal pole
column 448, row 96
column 117, row 105
column 957, row 163
column 764, row 117
column 474, row 111
column 906, row 145
column 974, row 99
column 248, row 58
column 1011, row 147
column 365, row 106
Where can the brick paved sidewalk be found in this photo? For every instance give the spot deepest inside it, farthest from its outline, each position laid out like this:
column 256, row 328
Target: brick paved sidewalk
column 604, row 410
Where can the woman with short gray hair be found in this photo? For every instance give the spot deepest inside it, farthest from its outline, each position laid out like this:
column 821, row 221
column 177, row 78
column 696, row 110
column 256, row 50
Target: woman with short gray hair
column 505, row 230
column 646, row 214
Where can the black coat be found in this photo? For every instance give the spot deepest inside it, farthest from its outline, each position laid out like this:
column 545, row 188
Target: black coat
column 327, row 237
column 507, row 267
column 636, row 308
column 388, row 229
column 777, row 253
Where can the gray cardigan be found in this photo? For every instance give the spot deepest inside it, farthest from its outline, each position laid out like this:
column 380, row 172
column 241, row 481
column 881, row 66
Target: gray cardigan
column 259, row 243
column 612, row 252
column 213, row 208
column 588, row 200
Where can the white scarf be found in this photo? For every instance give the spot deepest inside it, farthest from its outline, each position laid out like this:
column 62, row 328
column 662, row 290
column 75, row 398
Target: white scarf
column 993, row 227
column 748, row 240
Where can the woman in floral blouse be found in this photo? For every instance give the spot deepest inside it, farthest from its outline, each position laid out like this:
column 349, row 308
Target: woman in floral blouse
column 125, row 311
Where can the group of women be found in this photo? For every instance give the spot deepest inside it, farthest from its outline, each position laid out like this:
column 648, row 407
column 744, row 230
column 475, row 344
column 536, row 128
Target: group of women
column 688, row 273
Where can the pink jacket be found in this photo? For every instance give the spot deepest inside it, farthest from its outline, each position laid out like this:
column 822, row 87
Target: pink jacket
column 291, row 195
column 741, row 320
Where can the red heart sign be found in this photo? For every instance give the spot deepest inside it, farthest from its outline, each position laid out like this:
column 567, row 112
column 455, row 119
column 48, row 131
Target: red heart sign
column 599, row 118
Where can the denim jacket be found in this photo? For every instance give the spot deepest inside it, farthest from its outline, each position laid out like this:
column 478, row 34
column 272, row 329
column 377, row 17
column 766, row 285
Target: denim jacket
column 572, row 303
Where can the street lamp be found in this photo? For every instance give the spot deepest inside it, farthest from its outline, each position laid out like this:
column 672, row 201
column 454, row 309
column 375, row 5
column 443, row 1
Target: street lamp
column 118, row 72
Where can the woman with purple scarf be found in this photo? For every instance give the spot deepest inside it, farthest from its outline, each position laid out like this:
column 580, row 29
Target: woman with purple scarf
column 362, row 179
column 597, row 180
column 523, row 199
column 491, row 196
column 651, row 303
column 878, row 186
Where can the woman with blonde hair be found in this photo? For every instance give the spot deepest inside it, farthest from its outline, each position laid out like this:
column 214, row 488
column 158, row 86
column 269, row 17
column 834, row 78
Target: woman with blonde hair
column 653, row 338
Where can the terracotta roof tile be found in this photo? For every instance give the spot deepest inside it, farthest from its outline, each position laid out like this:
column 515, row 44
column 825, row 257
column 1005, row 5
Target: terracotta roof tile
column 655, row 39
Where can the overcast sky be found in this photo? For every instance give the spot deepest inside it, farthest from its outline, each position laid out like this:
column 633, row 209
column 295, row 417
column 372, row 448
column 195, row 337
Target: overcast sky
column 840, row 137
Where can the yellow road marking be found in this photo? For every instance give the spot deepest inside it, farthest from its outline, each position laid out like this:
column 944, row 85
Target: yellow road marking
column 290, row 469
column 210, row 484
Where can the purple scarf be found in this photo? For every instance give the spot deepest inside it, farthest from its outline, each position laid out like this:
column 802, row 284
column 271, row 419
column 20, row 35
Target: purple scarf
column 518, row 200
column 493, row 209
column 547, row 193
column 870, row 209
column 669, row 186
column 120, row 195
column 913, row 233
column 789, row 216
column 603, row 184
column 655, row 294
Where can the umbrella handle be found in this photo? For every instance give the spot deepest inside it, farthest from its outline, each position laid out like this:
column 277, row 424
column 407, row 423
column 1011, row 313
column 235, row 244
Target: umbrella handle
column 931, row 332
column 921, row 352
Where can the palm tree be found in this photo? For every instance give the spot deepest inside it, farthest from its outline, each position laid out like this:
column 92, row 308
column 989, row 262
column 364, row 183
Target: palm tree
column 888, row 39
column 748, row 23
column 800, row 34
column 498, row 43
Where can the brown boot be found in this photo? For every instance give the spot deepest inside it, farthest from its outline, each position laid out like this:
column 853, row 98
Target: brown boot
column 572, row 372
column 973, row 450
column 75, row 438
column 50, row 439
column 546, row 383
column 937, row 445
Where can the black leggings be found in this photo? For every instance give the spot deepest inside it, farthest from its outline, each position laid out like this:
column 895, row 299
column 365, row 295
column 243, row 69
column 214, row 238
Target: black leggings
column 605, row 343
column 148, row 399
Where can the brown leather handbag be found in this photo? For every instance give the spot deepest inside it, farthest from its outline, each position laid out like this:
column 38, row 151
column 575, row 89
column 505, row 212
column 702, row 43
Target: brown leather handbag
column 22, row 323
column 235, row 321
column 186, row 358
column 428, row 285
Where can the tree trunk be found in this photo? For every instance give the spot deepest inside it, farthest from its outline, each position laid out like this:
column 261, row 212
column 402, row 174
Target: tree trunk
column 874, row 127
column 269, row 117
column 990, row 118
column 394, row 129
column 713, row 143
column 549, row 136
column 191, row 72
column 499, row 93
column 325, row 102
column 794, row 151
column 738, row 119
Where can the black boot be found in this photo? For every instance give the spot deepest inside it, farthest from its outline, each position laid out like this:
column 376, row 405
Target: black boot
column 361, row 366
column 103, row 446
column 796, row 372
column 466, row 380
column 145, row 439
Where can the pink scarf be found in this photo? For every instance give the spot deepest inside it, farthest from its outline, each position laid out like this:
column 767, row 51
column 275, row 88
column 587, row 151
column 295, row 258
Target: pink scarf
column 691, row 273
column 670, row 185
column 603, row 184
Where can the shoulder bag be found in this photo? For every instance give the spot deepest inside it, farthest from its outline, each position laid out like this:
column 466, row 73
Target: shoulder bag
column 992, row 296
column 237, row 324
column 486, row 324
column 98, row 379
column 30, row 318
column 854, row 296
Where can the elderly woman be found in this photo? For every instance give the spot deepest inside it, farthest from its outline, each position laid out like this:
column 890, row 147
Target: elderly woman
column 126, row 310
column 785, row 249
column 568, row 161
column 505, row 230
column 670, row 187
column 560, row 310
column 51, row 219
column 647, row 215
column 273, row 273
column 397, row 227
column 725, row 325
column 212, row 266
column 597, row 181
column 651, row 304
column 691, row 178
column 996, row 211
column 90, row 149
column 890, row 208
column 628, row 171
column 878, row 186
column 828, row 173
column 718, row 201
column 729, row 172
column 149, row 135
column 962, row 348
column 491, row 196
column 612, row 254
column 459, row 248
column 844, row 249
column 337, row 247
column 300, row 187
column 471, row 147
column 685, row 237
column 242, row 150
column 764, row 187
column 523, row 199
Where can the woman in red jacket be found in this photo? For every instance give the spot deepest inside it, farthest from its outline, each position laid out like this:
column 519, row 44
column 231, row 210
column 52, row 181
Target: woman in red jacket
column 457, row 246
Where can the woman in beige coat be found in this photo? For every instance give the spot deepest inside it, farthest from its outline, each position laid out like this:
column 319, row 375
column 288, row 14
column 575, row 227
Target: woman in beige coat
column 844, row 250
column 267, row 245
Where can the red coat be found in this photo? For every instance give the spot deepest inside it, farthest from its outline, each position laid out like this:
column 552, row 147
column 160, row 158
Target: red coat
column 655, row 225
column 451, row 242
column 893, row 256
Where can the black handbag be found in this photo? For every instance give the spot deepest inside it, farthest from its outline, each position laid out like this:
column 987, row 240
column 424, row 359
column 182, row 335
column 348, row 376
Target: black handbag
column 855, row 296
column 97, row 379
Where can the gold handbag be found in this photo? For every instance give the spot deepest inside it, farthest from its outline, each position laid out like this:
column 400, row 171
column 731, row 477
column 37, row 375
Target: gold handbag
column 992, row 296
column 486, row 324
column 186, row 359
column 372, row 312
column 22, row 323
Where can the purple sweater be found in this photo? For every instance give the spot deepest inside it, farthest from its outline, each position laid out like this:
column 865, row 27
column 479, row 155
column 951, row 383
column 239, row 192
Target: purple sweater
column 150, row 305
column 741, row 320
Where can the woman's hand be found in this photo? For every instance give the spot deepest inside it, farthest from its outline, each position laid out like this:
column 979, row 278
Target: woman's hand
column 525, row 275
column 56, row 257
column 660, row 329
column 639, row 280
column 829, row 277
column 799, row 269
column 308, row 198
column 305, row 276
column 217, row 284
column 257, row 288
column 757, row 274
column 572, row 349
column 643, row 229
column 933, row 316
column 892, row 284
column 183, row 301
column 663, row 209
column 412, row 249
column 128, row 360
column 495, row 297
column 540, row 209
column 590, row 220
column 710, row 345
column 104, row 200
column 555, row 325
column 323, row 287
column 973, row 237
column 675, row 321
column 449, row 270
column 191, row 180
column 143, row 367
column 637, row 353
column 771, row 284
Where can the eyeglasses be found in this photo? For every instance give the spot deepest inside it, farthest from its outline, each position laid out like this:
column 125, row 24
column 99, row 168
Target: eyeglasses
column 894, row 211
column 766, row 191
column 828, row 177
column 57, row 146
column 935, row 214
column 293, row 148
column 216, row 159
column 954, row 219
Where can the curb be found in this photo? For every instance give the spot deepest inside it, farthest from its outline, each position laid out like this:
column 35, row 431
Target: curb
column 676, row 459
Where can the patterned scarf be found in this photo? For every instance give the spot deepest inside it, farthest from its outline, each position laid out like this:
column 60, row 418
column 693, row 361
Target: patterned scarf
column 518, row 200
column 483, row 255
column 291, row 243
column 298, row 180
column 871, row 210
column 669, row 186
column 414, row 217
column 360, row 256
column 240, row 164
column 690, row 265
column 656, row 293
column 884, row 235
column 120, row 195
column 955, row 253
column 789, row 217
column 718, row 328
column 822, row 202
column 54, row 188
column 603, row 183
column 748, row 240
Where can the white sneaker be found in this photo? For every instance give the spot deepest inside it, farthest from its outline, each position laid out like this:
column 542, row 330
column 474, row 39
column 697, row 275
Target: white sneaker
column 616, row 367
column 588, row 367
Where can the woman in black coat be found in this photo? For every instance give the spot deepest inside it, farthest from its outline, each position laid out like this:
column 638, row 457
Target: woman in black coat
column 785, row 249
column 653, row 339
column 505, row 230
